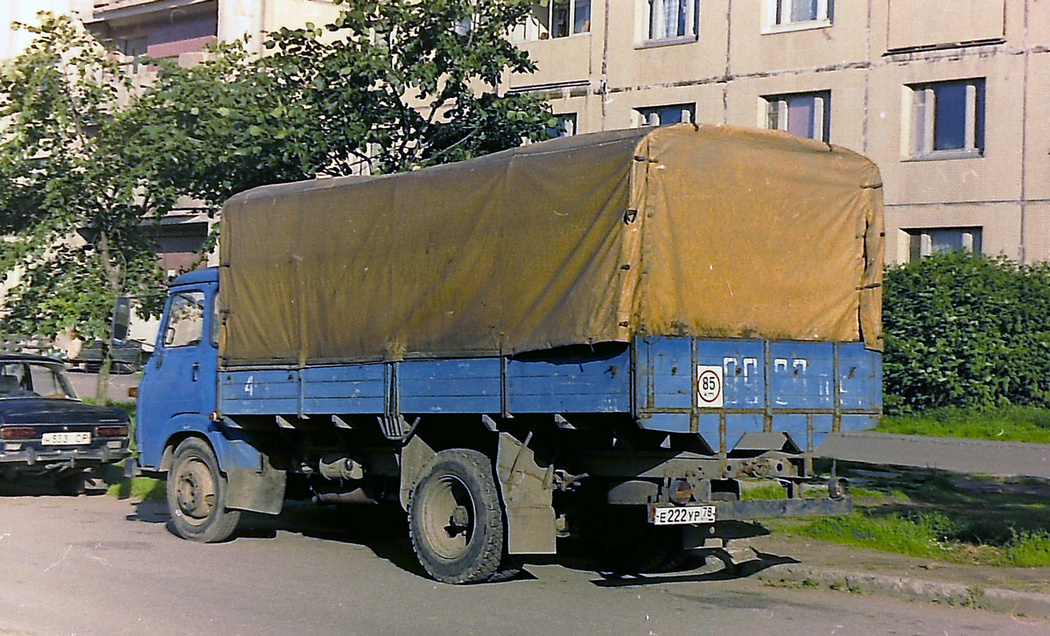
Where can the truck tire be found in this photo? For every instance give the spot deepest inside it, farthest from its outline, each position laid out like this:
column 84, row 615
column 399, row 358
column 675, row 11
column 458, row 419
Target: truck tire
column 197, row 494
column 455, row 518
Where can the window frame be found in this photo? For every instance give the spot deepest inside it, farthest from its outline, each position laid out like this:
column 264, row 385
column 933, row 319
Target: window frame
column 648, row 9
column 778, row 16
column 643, row 116
column 567, row 125
column 533, row 30
column 777, row 105
column 920, row 240
column 920, row 118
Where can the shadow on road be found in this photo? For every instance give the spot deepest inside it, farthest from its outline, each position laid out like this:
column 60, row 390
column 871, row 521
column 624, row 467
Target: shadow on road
column 89, row 481
column 729, row 570
column 383, row 529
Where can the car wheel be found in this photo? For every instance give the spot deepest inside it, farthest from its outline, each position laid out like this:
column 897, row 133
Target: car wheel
column 72, row 483
column 197, row 494
column 455, row 518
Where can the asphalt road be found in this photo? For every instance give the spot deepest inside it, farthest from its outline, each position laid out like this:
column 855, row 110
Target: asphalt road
column 99, row 565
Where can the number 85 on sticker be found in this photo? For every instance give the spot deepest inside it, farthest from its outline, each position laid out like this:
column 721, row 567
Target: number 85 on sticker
column 709, row 387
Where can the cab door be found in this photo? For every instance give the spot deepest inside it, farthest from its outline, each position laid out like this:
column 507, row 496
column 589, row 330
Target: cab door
column 178, row 389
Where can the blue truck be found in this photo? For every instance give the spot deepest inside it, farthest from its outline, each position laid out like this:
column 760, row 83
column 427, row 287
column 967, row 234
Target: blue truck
column 605, row 338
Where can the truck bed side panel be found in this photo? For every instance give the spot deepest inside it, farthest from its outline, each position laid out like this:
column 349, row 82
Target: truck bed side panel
column 805, row 389
column 600, row 385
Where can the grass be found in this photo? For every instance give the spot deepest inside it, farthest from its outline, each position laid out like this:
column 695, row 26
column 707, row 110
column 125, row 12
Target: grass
column 934, row 535
column 134, row 488
column 950, row 518
column 1006, row 424
column 138, row 489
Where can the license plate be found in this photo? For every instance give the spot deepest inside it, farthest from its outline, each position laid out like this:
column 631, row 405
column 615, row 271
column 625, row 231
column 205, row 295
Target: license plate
column 65, row 439
column 683, row 515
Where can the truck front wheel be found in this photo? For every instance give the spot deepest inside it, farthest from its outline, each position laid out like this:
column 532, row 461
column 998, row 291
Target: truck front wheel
column 197, row 494
column 455, row 518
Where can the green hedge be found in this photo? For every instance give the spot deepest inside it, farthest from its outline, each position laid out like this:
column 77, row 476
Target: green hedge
column 965, row 330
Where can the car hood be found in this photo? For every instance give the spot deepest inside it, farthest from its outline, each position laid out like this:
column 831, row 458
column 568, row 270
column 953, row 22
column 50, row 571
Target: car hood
column 37, row 410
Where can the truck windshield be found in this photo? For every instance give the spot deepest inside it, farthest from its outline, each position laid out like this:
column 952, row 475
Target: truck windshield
column 26, row 378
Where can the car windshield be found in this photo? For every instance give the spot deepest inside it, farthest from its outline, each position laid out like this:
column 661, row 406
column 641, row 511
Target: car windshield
column 32, row 378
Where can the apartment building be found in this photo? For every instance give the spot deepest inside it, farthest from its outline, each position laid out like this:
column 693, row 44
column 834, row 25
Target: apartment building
column 949, row 97
column 181, row 28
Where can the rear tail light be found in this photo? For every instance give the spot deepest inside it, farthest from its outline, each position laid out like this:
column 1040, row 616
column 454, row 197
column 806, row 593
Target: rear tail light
column 19, row 432
column 111, row 431
column 681, row 492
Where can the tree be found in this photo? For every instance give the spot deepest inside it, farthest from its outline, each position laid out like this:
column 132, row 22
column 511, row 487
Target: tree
column 76, row 207
column 391, row 85
column 402, row 83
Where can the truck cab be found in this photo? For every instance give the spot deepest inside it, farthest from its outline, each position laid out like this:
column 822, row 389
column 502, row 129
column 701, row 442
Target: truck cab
column 178, row 389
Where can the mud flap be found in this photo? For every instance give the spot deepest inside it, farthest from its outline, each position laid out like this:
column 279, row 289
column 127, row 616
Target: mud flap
column 256, row 489
column 526, row 489
column 414, row 458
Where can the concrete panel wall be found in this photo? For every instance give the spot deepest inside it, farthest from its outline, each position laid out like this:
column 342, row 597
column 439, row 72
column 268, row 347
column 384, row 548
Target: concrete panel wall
column 1000, row 225
column 994, row 176
column 757, row 46
column 943, row 22
column 869, row 55
column 745, row 104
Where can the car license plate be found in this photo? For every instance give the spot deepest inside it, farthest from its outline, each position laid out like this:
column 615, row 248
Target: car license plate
column 65, row 439
column 682, row 515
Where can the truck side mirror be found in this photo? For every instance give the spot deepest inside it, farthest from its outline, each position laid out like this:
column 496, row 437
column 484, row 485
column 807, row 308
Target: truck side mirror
column 121, row 320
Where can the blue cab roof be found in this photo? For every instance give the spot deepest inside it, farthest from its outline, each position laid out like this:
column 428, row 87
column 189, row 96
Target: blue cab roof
column 197, row 276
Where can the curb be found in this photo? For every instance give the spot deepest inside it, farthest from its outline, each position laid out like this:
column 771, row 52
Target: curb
column 997, row 600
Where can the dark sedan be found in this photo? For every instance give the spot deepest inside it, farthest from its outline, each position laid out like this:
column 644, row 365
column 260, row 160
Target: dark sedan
column 45, row 429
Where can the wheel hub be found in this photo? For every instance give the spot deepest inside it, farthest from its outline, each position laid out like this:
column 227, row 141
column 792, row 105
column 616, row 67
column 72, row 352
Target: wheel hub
column 448, row 517
column 195, row 491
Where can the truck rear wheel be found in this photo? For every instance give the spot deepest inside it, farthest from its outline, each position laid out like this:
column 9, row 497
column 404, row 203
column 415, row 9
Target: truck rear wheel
column 197, row 494
column 455, row 518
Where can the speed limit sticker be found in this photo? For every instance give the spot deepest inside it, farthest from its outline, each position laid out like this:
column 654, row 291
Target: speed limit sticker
column 709, row 386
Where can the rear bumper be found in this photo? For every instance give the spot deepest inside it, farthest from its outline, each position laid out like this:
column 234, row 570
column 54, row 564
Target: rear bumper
column 776, row 508
column 37, row 461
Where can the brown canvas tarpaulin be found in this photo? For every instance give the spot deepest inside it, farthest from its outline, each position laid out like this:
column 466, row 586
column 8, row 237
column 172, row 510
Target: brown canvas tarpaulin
column 707, row 231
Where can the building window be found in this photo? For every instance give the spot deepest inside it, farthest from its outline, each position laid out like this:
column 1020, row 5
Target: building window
column 664, row 115
column 555, row 19
column 799, row 12
column 923, row 242
column 673, row 19
column 802, row 114
column 947, row 118
column 565, row 126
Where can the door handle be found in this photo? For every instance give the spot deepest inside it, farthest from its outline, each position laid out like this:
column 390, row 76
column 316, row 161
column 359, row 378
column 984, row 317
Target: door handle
column 196, row 371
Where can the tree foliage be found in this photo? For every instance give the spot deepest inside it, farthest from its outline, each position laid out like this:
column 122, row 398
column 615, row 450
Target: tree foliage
column 968, row 331
column 73, row 201
column 389, row 86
